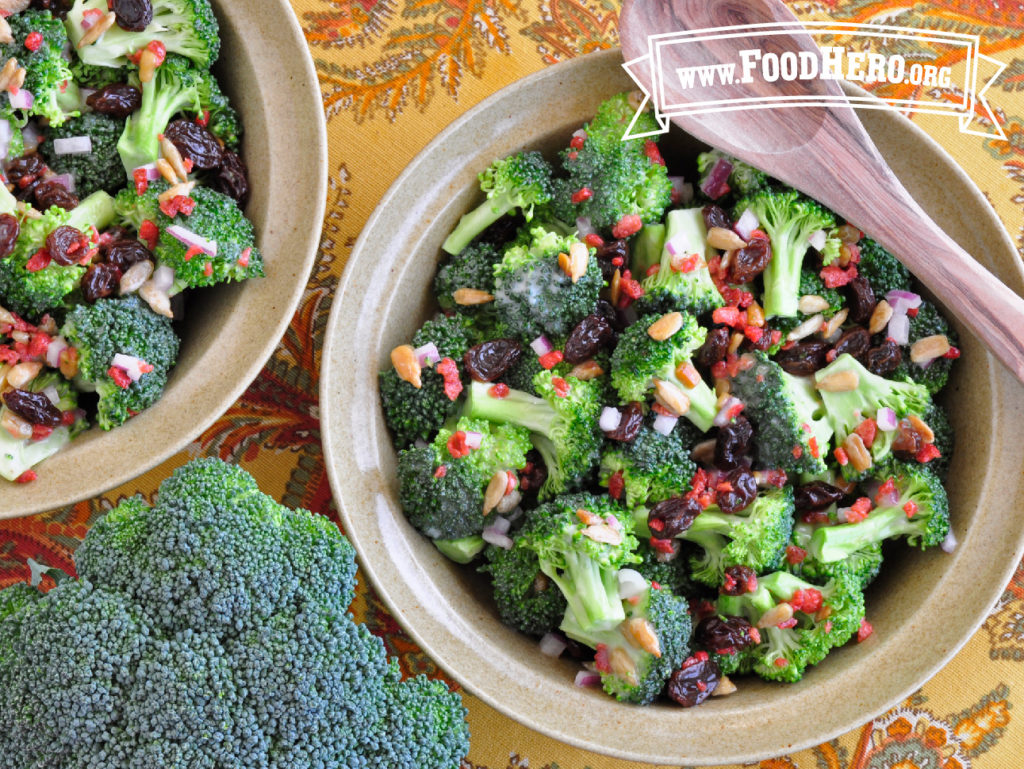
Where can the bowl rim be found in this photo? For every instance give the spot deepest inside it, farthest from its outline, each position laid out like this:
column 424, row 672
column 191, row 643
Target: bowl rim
column 404, row 604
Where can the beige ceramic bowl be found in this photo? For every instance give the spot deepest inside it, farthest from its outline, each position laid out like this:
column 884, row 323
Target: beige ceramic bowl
column 230, row 330
column 923, row 607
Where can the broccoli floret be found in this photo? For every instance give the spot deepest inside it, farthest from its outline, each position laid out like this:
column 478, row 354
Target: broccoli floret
column 185, row 27
column 413, row 413
column 562, row 424
column 927, row 322
column 791, row 432
column 666, row 570
column 446, row 333
column 581, row 541
column 755, row 537
column 98, row 169
column 647, row 247
column 96, row 77
column 789, row 218
column 18, row 455
column 524, row 595
column 784, row 654
column 690, row 289
column 448, row 503
column 743, row 179
column 521, row 181
column 463, row 550
column 48, row 76
column 612, row 119
column 938, row 420
column 473, row 267
column 126, row 327
column 16, row 142
column 811, row 284
column 920, row 513
column 521, row 375
column 641, row 362
column 861, row 565
column 636, row 658
column 883, row 271
column 223, row 121
column 532, row 292
column 653, row 466
column 215, row 218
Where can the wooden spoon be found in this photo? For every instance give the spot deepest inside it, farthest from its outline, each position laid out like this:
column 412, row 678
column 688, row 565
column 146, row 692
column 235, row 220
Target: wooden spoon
column 822, row 151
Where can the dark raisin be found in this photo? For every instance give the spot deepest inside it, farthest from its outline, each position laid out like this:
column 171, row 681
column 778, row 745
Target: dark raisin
column 33, row 407
column 487, row 361
column 854, row 342
column 132, row 15
column 716, row 216
column 26, row 170
column 884, row 359
column 694, row 681
column 803, row 358
column 605, row 310
column 100, row 280
column 736, row 491
column 738, row 580
column 501, row 231
column 66, row 245
column 715, row 347
column 907, row 443
column 732, row 443
column 672, row 516
column 51, row 193
column 195, row 143
column 112, row 234
column 587, row 338
column 117, row 100
column 9, row 231
column 749, row 262
column 232, row 178
column 534, row 472
column 124, row 253
column 862, row 300
column 723, row 636
column 630, row 423
column 816, row 495
column 609, row 250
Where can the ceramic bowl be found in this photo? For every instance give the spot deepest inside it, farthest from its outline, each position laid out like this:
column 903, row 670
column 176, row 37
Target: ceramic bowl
column 923, row 607
column 228, row 331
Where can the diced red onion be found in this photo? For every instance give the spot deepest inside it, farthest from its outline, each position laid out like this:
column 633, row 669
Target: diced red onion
column 949, row 543
column 613, row 522
column 427, row 355
column 886, row 419
column 50, row 391
column 541, row 345
column 664, row 424
column 678, row 245
column 579, row 133
column 746, row 224
column 67, row 181
column 473, row 439
column 584, row 227
column 189, row 238
column 31, row 136
column 22, row 99
column 722, row 417
column 131, row 365
column 586, row 679
column 72, row 145
column 57, row 345
column 631, row 583
column 152, row 172
column 816, row 239
column 903, row 300
column 610, row 419
column 500, row 525
column 715, row 184
column 899, row 328
column 552, row 645
column 498, row 540
column 889, row 499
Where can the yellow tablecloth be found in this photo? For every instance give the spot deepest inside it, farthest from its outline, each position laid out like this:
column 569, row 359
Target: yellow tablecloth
column 393, row 73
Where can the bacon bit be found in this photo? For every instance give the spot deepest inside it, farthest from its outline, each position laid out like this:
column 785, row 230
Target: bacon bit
column 655, row 585
column 735, row 296
column 695, row 659
column 159, row 50
column 26, row 477
column 887, row 489
column 662, row 545
column 927, row 453
column 499, row 390
column 208, row 269
column 913, row 311
column 681, row 263
column 831, row 355
column 40, row 432
column 630, row 288
column 596, row 241
column 841, row 456
column 448, row 369
column 808, row 601
column 734, row 411
column 550, row 359
column 787, row 623
column 583, row 193
column 37, row 345
column 560, row 386
column 781, row 662
column 573, row 154
column 602, row 659
column 141, row 182
column 192, row 251
column 243, row 258
column 577, row 141
column 729, row 316
column 120, row 377
column 652, row 153
column 204, row 119
column 657, row 408
column 629, row 224
column 867, row 430
column 835, row 276
column 654, row 269
column 90, row 16
column 655, row 524
column 859, row 510
column 795, row 555
column 441, row 471
column 587, row 518
column 67, row 418
column 798, row 452
column 38, row 261
column 149, row 232
column 178, row 204
column 953, row 353
column 188, row 164
column 910, row 508
column 34, row 40
column 753, row 333
column 864, row 631
column 457, row 445
column 633, row 600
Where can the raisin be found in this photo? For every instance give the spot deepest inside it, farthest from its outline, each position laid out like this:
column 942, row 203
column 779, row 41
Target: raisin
column 862, row 300
column 124, row 253
column 694, row 681
column 117, row 100
column 719, row 635
column 738, row 580
column 884, row 359
column 112, row 234
column 732, row 443
column 487, row 361
column 609, row 250
column 9, row 231
column 854, row 342
column 195, row 143
column 816, row 495
column 630, row 423
column 907, row 443
column 803, row 358
column 716, row 216
column 24, row 174
column 502, row 231
column 749, row 262
column 604, row 309
column 672, row 516
column 66, row 245
column 100, row 280
column 587, row 338
column 534, row 472
column 33, row 407
column 51, row 193
column 232, row 178
column 132, row 15
column 742, row 492
column 715, row 347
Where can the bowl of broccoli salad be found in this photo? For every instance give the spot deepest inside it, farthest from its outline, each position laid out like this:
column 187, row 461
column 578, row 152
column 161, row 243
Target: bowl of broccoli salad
column 655, row 429
column 133, row 232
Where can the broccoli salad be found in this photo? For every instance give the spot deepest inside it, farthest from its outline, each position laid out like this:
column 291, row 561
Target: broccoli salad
column 123, row 188
column 676, row 426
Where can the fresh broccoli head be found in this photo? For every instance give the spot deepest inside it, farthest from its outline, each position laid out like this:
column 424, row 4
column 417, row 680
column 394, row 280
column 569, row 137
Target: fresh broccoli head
column 20, row 454
column 524, row 595
column 447, row 333
column 125, row 351
column 96, row 77
column 612, row 119
column 472, row 267
column 223, row 122
column 99, row 168
column 811, row 284
column 653, row 466
column 48, row 76
column 883, row 271
column 935, row 373
column 862, row 565
column 414, row 413
column 743, row 179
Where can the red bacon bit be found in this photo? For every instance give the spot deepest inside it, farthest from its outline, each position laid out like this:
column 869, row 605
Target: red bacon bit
column 178, row 204
column 753, row 333
column 655, row 524
column 867, row 430
column 208, row 269
column 499, row 390
column 192, row 251
column 141, row 182
column 841, row 456
column 560, row 386
column 661, row 545
column 808, row 601
column 864, row 631
column 734, row 411
column 441, row 471
column 203, row 119
column 798, row 452
column 144, row 367
column 602, row 659
column 149, row 233
column 781, row 662
column 927, row 453
column 629, row 224
column 67, row 418
column 8, row 355
column 38, row 344
column 40, row 432
column 583, row 193
column 26, row 477
column 653, row 153
column 596, row 241
column 630, row 289
column 120, row 377
column 835, row 276
column 795, row 555
column 159, row 51
column 618, row 261
column 886, row 490
column 913, row 311
column 695, row 659
column 448, row 369
column 654, row 269
column 457, row 445
column 34, row 40
column 573, row 154
column 655, row 585
column 188, row 164
column 577, row 141
column 90, row 15
column 729, row 316
column 243, row 258
column 755, row 635
column 686, row 263
column 831, row 355
column 510, row 484
column 787, row 623
column 910, row 508
column 38, row 261
column 953, row 353
column 550, row 359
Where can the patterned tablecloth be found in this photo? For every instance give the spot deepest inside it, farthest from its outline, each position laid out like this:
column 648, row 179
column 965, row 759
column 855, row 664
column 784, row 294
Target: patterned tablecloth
column 393, row 73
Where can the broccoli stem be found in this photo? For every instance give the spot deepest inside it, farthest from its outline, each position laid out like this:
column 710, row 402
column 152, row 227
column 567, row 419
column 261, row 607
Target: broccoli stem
column 835, row 543
column 461, row 550
column 703, row 401
column 591, row 590
column 782, row 275
column 8, row 203
column 478, row 220
column 97, row 210
column 647, row 249
column 518, row 408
